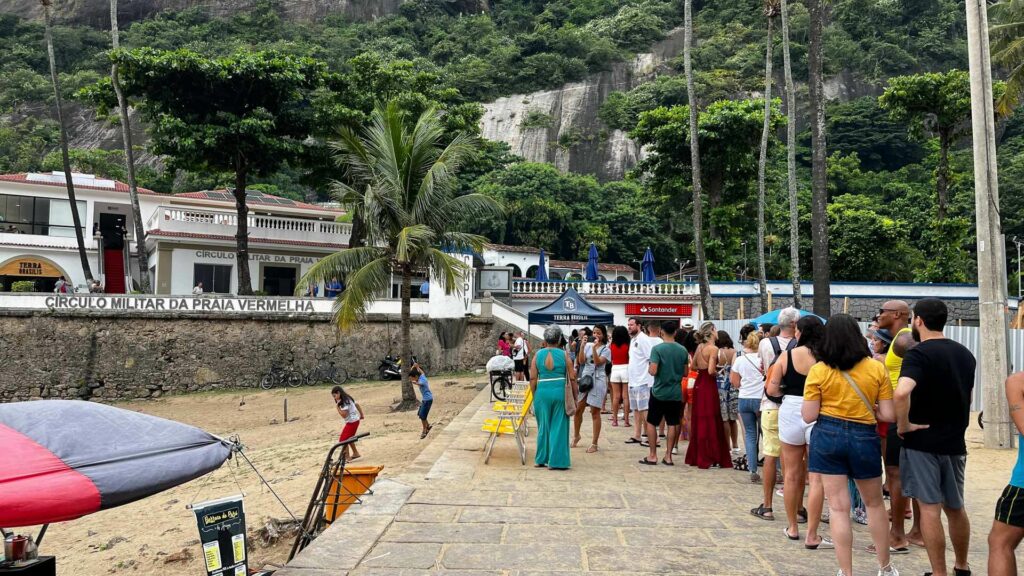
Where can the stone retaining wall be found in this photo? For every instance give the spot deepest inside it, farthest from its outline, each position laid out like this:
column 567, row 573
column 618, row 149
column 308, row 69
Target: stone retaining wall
column 132, row 355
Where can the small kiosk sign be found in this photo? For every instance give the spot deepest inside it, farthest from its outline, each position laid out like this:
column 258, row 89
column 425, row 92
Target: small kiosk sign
column 222, row 535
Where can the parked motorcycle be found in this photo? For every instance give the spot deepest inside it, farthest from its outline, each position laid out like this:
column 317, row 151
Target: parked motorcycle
column 391, row 367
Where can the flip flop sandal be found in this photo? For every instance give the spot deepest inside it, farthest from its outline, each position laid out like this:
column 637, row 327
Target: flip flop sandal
column 763, row 513
column 825, row 544
column 892, row 550
column 648, row 445
column 592, row 449
column 667, row 463
column 633, row 441
column 786, row 532
column 644, row 460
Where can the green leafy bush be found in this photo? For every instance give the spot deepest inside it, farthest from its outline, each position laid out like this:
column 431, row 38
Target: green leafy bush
column 23, row 286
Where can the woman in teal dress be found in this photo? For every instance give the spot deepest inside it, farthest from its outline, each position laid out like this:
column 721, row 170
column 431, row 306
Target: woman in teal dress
column 548, row 386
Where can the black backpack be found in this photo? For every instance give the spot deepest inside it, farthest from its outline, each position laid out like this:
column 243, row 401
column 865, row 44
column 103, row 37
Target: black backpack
column 777, row 348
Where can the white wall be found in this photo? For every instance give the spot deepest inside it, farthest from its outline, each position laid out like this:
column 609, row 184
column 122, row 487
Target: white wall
column 67, row 260
column 522, row 260
column 184, row 259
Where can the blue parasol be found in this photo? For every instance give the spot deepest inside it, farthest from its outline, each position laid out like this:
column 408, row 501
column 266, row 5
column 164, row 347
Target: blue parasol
column 773, row 317
column 647, row 266
column 542, row 268
column 591, row 272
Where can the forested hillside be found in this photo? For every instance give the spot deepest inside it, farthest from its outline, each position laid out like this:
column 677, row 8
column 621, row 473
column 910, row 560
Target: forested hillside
column 882, row 169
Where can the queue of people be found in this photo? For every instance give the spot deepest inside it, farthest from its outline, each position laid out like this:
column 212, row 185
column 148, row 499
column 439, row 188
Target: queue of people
column 838, row 417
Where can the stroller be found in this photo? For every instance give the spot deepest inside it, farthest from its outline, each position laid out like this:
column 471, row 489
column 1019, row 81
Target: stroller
column 500, row 369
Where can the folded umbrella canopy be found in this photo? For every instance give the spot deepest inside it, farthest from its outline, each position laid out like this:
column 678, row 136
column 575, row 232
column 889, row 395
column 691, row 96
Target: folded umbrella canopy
column 63, row 459
column 591, row 271
column 542, row 268
column 647, row 266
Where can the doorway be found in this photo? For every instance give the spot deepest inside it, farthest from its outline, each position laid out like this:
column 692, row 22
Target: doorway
column 280, row 280
column 113, row 228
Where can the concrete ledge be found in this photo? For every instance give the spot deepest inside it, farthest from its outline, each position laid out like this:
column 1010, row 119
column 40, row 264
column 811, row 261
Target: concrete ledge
column 342, row 546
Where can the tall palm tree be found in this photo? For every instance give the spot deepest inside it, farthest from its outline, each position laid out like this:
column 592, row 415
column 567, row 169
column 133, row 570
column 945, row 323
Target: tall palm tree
column 819, row 190
column 794, row 204
column 771, row 9
column 698, row 218
column 129, row 156
column 69, row 181
column 404, row 178
column 1007, row 33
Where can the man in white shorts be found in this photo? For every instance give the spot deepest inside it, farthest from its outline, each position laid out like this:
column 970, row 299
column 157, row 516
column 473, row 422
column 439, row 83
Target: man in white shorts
column 640, row 379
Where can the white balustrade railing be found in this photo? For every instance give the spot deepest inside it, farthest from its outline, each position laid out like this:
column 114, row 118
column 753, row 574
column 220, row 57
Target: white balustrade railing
column 622, row 288
column 193, row 220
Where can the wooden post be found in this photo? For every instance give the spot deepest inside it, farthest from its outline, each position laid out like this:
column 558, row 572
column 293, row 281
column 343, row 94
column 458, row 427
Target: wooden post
column 770, row 308
column 721, row 311
column 739, row 313
column 286, row 409
column 846, row 305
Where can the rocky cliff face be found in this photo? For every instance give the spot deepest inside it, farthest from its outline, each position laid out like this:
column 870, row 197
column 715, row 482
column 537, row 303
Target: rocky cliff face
column 561, row 126
column 97, row 12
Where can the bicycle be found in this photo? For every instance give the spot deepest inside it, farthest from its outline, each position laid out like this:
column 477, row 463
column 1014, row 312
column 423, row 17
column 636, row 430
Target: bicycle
column 280, row 375
column 501, row 383
column 326, row 370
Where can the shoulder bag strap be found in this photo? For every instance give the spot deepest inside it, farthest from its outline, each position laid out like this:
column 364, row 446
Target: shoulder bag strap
column 863, row 398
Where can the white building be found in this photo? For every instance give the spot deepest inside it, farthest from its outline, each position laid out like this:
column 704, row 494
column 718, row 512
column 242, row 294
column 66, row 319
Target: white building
column 190, row 237
column 524, row 261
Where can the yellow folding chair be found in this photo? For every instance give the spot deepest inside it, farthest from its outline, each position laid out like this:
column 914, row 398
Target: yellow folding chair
column 509, row 423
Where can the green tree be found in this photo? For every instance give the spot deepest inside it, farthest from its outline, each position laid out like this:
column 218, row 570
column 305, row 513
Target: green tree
column 247, row 114
column 404, row 182
column 69, row 182
column 861, row 237
column 1007, row 32
column 934, row 105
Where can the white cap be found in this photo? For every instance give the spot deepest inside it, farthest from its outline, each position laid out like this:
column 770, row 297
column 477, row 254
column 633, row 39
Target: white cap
column 687, row 323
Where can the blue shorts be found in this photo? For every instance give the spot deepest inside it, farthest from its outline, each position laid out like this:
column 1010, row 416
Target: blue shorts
column 844, row 448
column 425, row 408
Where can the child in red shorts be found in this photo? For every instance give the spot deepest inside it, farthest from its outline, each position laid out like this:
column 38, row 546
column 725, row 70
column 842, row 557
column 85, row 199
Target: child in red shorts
column 352, row 414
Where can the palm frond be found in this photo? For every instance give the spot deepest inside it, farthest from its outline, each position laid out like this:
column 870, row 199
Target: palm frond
column 463, row 241
column 445, row 269
column 473, row 206
column 340, row 264
column 1007, row 33
column 414, row 241
column 361, row 290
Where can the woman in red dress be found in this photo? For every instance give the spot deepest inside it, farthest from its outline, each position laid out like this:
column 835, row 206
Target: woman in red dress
column 708, row 446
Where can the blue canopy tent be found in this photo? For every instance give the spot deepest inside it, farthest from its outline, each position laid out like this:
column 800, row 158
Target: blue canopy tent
column 570, row 308
column 773, row 317
column 647, row 266
column 542, row 268
column 591, row 271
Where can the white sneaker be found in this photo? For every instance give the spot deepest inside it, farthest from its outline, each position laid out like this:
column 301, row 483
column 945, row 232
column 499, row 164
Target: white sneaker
column 675, row 451
column 889, row 570
column 840, row 572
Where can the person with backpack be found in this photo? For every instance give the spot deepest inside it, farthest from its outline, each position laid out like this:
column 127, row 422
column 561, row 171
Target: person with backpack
column 840, row 397
column 769, row 350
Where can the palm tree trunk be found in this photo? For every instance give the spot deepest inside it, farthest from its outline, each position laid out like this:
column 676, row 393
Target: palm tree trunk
column 129, row 158
column 242, row 230
column 942, row 176
column 762, row 161
column 75, row 217
column 698, row 218
column 819, row 190
column 408, row 395
column 794, row 204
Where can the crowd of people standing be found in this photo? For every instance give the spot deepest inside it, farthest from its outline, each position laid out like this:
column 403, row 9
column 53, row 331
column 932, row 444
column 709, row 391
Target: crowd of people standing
column 842, row 419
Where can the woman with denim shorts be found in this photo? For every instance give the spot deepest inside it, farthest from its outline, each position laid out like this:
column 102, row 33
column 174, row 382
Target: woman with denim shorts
column 841, row 394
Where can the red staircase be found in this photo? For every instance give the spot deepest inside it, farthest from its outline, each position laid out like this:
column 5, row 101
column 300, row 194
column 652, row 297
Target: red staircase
column 113, row 271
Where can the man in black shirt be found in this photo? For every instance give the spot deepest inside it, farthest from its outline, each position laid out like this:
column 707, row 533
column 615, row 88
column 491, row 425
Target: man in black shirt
column 933, row 402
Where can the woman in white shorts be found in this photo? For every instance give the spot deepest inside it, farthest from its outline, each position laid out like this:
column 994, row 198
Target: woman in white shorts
column 619, row 379
column 787, row 380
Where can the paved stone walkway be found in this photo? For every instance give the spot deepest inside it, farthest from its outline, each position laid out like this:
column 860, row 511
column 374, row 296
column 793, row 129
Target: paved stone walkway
column 453, row 514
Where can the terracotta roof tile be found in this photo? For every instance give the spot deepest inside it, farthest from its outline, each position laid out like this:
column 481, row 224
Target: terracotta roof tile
column 254, row 197
column 508, row 248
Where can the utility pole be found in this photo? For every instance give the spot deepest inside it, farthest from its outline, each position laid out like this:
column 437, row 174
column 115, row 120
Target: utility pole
column 1018, row 242
column 991, row 242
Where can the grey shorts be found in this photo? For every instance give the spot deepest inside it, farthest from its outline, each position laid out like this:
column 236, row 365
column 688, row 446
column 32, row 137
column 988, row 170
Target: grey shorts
column 933, row 478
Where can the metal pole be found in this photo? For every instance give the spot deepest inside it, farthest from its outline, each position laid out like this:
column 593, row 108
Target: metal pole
column 991, row 243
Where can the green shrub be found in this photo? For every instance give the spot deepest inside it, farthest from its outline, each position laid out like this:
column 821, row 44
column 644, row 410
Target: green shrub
column 23, row 286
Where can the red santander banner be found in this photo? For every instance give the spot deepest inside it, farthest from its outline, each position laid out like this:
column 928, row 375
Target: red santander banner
column 659, row 309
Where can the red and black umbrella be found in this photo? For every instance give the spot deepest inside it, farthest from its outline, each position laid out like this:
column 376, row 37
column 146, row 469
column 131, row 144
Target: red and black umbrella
column 63, row 459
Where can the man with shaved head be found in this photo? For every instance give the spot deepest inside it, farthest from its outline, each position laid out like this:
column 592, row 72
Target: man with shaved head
column 894, row 316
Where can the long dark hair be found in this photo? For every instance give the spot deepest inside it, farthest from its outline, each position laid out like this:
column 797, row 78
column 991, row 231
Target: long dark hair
column 620, row 336
column 812, row 333
column 724, row 341
column 604, row 332
column 344, row 397
column 843, row 346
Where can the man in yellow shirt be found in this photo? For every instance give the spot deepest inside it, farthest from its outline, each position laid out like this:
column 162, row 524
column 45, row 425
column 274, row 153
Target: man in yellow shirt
column 894, row 316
